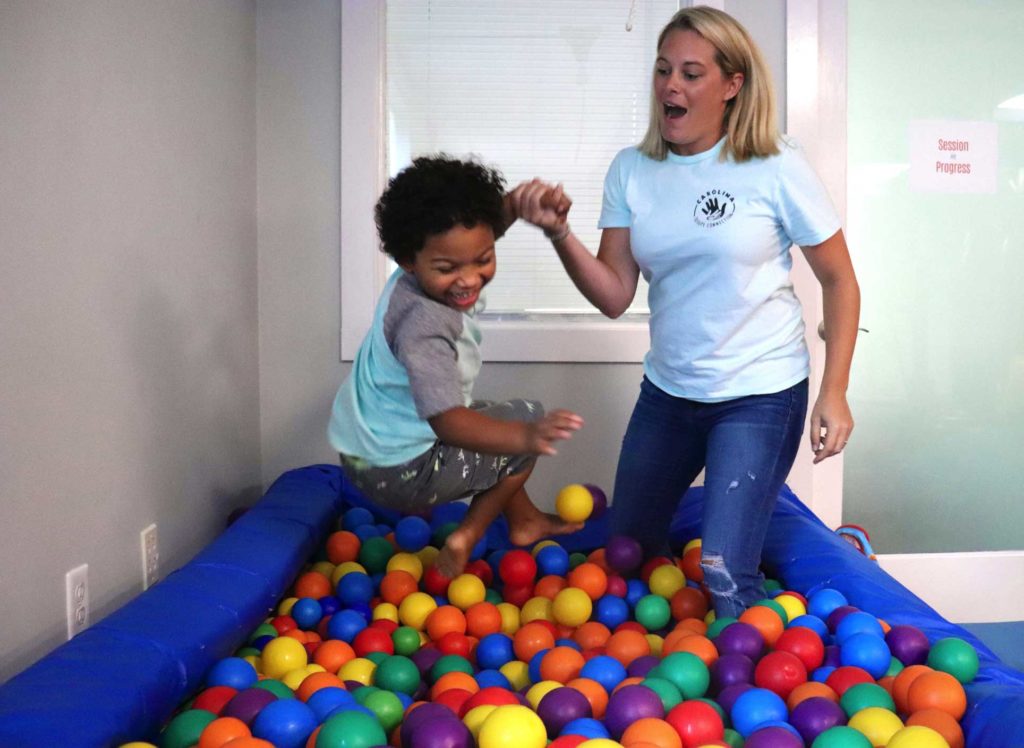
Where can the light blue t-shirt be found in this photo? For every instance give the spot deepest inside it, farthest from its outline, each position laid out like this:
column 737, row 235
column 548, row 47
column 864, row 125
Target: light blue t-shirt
column 419, row 358
column 712, row 239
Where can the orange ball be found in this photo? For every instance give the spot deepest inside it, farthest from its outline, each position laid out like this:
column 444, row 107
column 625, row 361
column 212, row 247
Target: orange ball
column 810, row 689
column 940, row 721
column 937, row 690
column 561, row 664
column 482, row 619
column 699, row 645
column 688, row 602
column 591, row 635
column 315, row 681
column 222, row 730
column 901, row 685
column 626, row 645
column 590, row 578
column 313, row 584
column 343, row 546
column 454, row 679
column 653, row 731
column 696, row 625
column 597, row 556
column 594, row 693
column 673, row 638
column 332, row 654
column 766, row 621
column 445, row 620
column 530, row 639
column 395, row 585
column 549, row 586
column 690, row 564
column 248, row 742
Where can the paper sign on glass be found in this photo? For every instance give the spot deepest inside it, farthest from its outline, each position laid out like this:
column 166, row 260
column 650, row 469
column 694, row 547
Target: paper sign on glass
column 953, row 156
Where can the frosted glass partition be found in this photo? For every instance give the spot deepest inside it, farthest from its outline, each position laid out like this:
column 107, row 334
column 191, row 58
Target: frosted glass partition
column 936, row 226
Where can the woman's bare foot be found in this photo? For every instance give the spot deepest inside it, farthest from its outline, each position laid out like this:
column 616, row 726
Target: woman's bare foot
column 454, row 555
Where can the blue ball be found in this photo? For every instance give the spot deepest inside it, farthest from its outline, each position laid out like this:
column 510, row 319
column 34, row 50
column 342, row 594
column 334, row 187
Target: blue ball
column 261, row 641
column 412, row 533
column 326, row 700
column 611, row 611
column 345, row 624
column 606, row 670
column 355, row 587
column 287, row 723
column 494, row 650
column 489, row 677
column 568, row 643
column 813, row 623
column 355, row 517
column 453, row 511
column 234, row 672
column 533, row 669
column 866, row 651
column 756, row 707
column 365, row 532
column 552, row 559
column 635, row 589
column 824, row 601
column 479, row 549
column 588, row 727
column 821, row 674
column 858, row 622
column 307, row 613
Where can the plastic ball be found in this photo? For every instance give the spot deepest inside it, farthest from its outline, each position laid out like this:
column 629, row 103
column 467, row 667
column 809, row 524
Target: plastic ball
column 864, row 695
column 552, row 559
column 184, row 729
column 606, row 670
column 412, row 533
column 685, row 671
column 283, row 655
column 917, row 737
column 560, row 706
column 767, row 621
column 841, row 737
column 415, row 609
column 856, row 623
column 574, row 503
column 517, row 567
column 740, row 638
column 696, row 722
column 561, row 664
column 623, row 553
column 804, row 644
column 466, row 590
column 908, row 644
column 780, row 672
column 397, row 673
column 688, row 602
column 937, row 690
column 773, row 736
column 652, row 612
column 651, row 731
column 629, row 704
column 943, row 723
column 877, row 724
column 956, row 657
column 815, row 715
column 286, row 723
column 611, row 611
column 866, row 651
column 666, row 580
column 233, row 672
column 512, row 726
column 755, row 707
column 823, row 602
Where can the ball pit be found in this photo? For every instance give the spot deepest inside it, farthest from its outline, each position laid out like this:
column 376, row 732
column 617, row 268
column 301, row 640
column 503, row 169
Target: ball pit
column 673, row 680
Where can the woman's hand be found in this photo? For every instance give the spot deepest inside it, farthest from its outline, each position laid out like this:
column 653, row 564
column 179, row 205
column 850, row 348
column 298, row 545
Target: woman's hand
column 545, row 206
column 831, row 414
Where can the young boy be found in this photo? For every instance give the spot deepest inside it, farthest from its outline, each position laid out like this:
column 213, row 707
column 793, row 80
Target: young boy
column 404, row 423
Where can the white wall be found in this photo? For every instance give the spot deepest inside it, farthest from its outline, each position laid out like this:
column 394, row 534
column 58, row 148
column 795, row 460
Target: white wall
column 128, row 296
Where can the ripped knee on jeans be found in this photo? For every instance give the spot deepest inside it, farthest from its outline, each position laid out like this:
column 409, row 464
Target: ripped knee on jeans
column 717, row 576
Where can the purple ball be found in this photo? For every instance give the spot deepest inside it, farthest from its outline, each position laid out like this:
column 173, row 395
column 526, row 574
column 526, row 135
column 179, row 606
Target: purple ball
column 245, row 705
column 428, row 712
column 560, row 706
column 813, row 716
column 623, row 553
column 727, row 696
column 909, row 644
column 424, row 659
column 740, row 638
column 629, row 704
column 730, row 669
column 600, row 500
column 448, row 732
column 773, row 737
column 837, row 615
column 833, row 656
column 641, row 666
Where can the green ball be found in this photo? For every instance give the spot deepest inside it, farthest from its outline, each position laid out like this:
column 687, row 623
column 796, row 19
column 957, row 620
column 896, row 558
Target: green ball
column 666, row 689
column 406, row 640
column 835, row 737
column 687, row 672
column 895, row 667
column 863, row 695
column 362, row 693
column 956, row 657
column 777, row 608
column 652, row 612
column 264, row 629
column 716, row 626
column 183, row 731
column 247, row 652
column 576, row 558
column 376, row 657
column 374, row 554
column 492, row 596
column 449, row 663
column 441, row 533
column 733, row 738
column 398, row 673
column 771, row 585
column 276, row 687
column 351, row 729
column 387, row 707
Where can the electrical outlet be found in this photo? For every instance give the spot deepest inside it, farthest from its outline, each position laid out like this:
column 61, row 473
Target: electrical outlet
column 150, row 557
column 76, row 587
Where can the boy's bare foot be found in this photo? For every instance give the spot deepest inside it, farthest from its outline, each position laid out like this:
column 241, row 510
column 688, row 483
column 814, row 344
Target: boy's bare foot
column 454, row 555
column 526, row 528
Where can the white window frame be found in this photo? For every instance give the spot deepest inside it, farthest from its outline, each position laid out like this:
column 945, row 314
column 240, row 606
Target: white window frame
column 509, row 338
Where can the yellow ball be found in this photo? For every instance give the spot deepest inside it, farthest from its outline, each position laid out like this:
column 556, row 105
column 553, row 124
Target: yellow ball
column 876, row 724
column 536, row 609
column 136, row 744
column 539, row 690
column 574, row 503
column 294, row 678
column 657, row 644
column 666, row 580
column 475, row 717
column 917, row 736
column 415, row 608
column 282, row 655
column 344, row 568
column 600, row 743
column 284, row 608
column 427, row 554
column 406, row 562
column 386, row 611
column 510, row 618
column 323, row 567
column 517, row 672
column 538, row 547
column 512, row 726
column 572, row 606
column 466, row 590
column 359, row 669
column 695, row 543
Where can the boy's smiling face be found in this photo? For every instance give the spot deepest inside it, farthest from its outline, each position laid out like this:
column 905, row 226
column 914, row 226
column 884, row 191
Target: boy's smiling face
column 454, row 266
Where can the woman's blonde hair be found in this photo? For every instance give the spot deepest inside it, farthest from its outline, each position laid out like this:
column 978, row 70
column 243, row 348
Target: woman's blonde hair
column 750, row 124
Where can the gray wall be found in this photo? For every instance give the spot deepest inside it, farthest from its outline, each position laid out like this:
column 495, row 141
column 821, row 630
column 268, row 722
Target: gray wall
column 128, row 297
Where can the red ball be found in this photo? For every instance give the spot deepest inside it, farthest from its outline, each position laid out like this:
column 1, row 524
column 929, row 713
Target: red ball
column 804, row 643
column 492, row 695
column 842, row 678
column 517, row 595
column 482, row 569
column 616, row 586
column 283, row 624
column 780, row 672
column 697, row 722
column 214, row 698
column 386, row 624
column 435, row 582
column 454, row 643
column 653, row 563
column 372, row 639
column 517, row 568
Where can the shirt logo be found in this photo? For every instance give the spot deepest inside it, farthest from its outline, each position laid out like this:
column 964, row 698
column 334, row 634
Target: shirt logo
column 714, row 207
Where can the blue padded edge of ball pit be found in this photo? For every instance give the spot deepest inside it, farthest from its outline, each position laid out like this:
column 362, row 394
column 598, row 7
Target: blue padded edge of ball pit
column 123, row 677
column 804, row 554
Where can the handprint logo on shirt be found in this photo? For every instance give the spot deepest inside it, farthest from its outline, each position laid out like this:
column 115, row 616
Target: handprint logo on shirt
column 714, row 207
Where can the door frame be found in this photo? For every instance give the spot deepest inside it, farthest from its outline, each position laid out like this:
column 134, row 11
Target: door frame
column 976, row 587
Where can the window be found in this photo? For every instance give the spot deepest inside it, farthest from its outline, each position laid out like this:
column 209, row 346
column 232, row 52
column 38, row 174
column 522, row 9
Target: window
column 532, row 87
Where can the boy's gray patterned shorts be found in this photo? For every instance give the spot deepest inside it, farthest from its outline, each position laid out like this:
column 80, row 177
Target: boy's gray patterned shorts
column 443, row 473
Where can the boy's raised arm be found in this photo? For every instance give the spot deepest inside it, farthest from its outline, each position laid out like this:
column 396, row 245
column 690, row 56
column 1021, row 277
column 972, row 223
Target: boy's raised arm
column 473, row 430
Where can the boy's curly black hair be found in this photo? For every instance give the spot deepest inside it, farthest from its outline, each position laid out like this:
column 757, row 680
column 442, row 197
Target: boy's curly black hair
column 431, row 196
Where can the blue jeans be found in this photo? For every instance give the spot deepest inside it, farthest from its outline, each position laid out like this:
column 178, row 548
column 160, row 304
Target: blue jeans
column 746, row 447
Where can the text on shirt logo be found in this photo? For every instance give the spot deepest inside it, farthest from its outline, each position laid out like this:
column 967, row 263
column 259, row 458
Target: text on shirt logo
column 713, row 208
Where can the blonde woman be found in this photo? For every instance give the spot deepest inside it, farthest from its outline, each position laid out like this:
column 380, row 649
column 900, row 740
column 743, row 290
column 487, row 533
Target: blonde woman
column 707, row 208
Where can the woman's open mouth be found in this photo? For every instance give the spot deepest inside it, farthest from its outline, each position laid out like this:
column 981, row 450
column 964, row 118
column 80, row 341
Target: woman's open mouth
column 673, row 112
